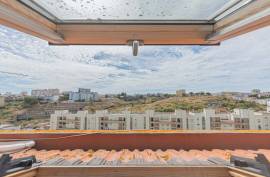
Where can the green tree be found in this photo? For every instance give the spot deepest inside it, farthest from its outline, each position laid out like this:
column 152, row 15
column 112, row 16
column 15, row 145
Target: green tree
column 64, row 97
column 29, row 101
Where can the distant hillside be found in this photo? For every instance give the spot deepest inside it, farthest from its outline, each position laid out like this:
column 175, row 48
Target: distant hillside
column 10, row 110
column 190, row 103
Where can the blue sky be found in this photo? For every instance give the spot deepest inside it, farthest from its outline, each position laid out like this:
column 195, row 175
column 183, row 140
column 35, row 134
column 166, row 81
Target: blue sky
column 238, row 64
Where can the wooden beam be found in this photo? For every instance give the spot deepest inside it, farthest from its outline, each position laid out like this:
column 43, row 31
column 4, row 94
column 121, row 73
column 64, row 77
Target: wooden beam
column 136, row 171
column 236, row 172
column 152, row 34
column 25, row 173
column 249, row 18
column 15, row 15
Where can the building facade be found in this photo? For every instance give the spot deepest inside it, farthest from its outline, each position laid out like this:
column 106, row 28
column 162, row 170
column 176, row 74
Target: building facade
column 45, row 92
column 165, row 121
column 83, row 95
column 51, row 95
column 268, row 107
column 2, row 101
column 180, row 92
column 65, row 120
column 208, row 119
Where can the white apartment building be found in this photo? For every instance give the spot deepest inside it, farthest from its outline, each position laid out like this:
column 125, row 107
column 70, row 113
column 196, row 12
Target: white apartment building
column 51, row 95
column 83, row 95
column 2, row 101
column 217, row 120
column 165, row 121
column 103, row 120
column 242, row 119
column 65, row 120
column 180, row 92
column 45, row 93
column 208, row 119
column 196, row 121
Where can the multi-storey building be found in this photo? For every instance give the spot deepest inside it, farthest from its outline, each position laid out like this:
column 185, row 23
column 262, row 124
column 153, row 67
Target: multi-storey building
column 65, row 120
column 208, row 119
column 268, row 107
column 217, row 119
column 242, row 120
column 45, row 93
column 166, row 121
column 196, row 121
column 103, row 120
column 180, row 92
column 83, row 95
column 2, row 101
column 51, row 95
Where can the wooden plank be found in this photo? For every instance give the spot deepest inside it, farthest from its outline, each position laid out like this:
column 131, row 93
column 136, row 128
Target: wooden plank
column 132, row 171
column 18, row 7
column 134, row 28
column 240, row 28
column 120, row 34
column 235, row 172
column 15, row 15
column 243, row 13
column 26, row 173
column 250, row 18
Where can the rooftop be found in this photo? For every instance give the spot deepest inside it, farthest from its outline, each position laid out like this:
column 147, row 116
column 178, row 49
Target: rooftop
column 129, row 150
column 136, row 157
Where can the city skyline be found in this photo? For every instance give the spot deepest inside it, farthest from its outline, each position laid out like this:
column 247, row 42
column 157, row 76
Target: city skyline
column 239, row 64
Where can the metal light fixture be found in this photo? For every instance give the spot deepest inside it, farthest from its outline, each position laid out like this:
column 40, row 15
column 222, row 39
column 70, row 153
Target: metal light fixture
column 135, row 46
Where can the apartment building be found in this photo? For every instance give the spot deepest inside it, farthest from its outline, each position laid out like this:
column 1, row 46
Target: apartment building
column 208, row 119
column 242, row 119
column 65, row 120
column 45, row 92
column 51, row 95
column 2, row 101
column 83, row 95
column 268, row 107
column 196, row 121
column 180, row 92
column 103, row 120
column 217, row 119
column 165, row 121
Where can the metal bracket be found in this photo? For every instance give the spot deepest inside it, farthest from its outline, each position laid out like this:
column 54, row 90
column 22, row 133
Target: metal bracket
column 7, row 165
column 135, row 46
column 259, row 165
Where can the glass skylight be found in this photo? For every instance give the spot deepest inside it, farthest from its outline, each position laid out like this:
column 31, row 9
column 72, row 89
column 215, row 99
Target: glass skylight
column 92, row 10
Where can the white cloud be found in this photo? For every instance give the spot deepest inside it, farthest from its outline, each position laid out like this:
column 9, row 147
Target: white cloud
column 242, row 63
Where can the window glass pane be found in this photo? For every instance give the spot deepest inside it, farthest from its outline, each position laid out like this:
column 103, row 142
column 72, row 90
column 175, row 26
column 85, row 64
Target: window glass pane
column 131, row 9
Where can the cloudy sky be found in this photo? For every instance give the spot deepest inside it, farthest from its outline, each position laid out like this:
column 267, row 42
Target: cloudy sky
column 239, row 64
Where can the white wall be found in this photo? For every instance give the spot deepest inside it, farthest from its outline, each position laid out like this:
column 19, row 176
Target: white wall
column 2, row 101
column 191, row 120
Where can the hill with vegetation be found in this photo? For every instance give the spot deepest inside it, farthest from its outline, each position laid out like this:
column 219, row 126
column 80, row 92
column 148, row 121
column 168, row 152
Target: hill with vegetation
column 167, row 103
column 190, row 103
